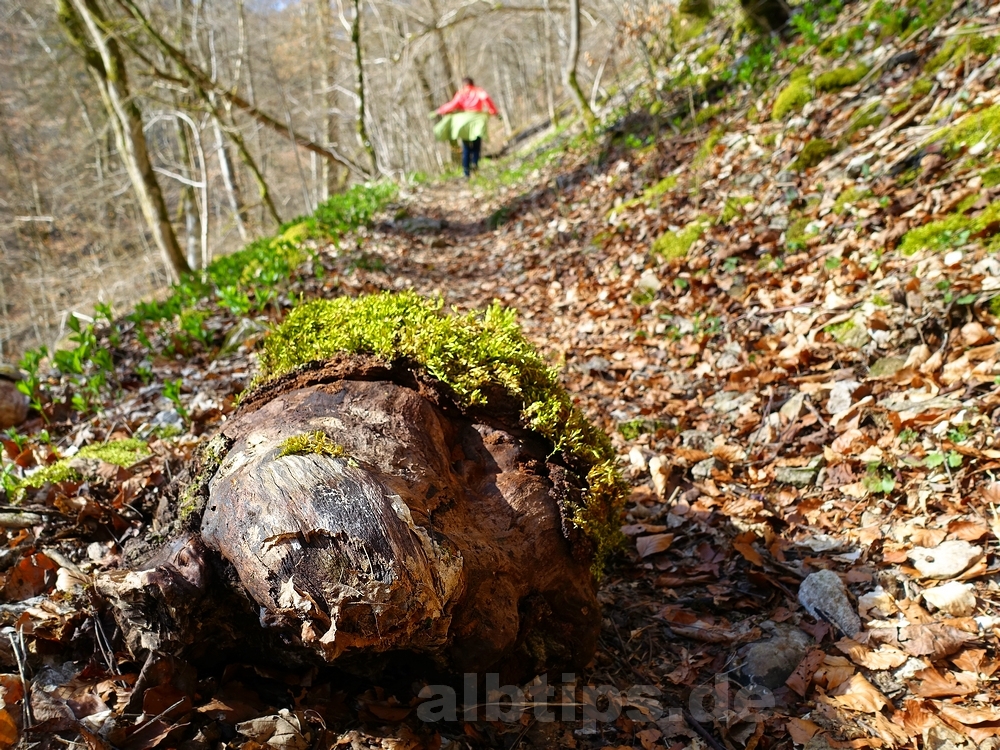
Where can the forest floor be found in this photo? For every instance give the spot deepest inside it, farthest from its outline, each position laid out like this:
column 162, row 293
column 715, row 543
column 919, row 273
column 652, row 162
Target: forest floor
column 796, row 351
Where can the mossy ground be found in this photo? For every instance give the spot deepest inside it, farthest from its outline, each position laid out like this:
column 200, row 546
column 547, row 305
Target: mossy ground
column 812, row 154
column 953, row 231
column 840, row 78
column 979, row 126
column 675, row 245
column 792, row 98
column 475, row 355
column 123, row 453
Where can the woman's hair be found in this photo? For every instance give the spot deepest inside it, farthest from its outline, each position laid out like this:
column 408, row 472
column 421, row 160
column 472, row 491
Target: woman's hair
column 468, row 81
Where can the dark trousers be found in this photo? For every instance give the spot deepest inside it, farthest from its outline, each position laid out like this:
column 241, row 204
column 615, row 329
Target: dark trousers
column 470, row 155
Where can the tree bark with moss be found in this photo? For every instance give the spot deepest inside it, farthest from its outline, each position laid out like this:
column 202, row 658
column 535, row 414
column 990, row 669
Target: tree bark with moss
column 572, row 61
column 397, row 480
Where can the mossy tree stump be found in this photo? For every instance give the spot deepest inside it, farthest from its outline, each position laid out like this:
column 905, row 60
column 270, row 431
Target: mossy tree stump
column 361, row 505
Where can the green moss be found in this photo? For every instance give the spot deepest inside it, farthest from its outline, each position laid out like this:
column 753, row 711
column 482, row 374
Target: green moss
column 835, row 46
column 675, row 245
column 956, row 229
column 733, row 208
column 991, row 177
column 812, row 154
column 841, row 331
column 632, row 429
column 706, row 55
column 957, row 48
column 840, row 78
column 480, row 356
column 865, row 116
column 708, row 113
column 318, row 443
column 848, row 198
column 120, row 453
column 792, row 98
column 706, row 149
column 980, row 126
column 193, row 498
column 795, row 234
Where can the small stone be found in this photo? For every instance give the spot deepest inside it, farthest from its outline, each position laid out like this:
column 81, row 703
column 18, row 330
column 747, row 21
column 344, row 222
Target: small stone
column 793, row 408
column 771, row 661
column 823, row 595
column 648, row 282
column 799, row 476
column 697, row 440
column 703, row 469
column 13, row 405
column 954, row 598
column 841, row 396
column 947, row 560
column 886, row 367
column 953, row 258
column 637, row 458
column 857, row 165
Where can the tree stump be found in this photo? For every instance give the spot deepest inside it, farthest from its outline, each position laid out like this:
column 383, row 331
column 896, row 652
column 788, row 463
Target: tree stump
column 362, row 509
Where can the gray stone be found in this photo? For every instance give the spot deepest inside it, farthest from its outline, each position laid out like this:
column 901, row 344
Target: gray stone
column 703, row 469
column 771, row 661
column 799, row 476
column 697, row 440
column 840, row 396
column 823, row 595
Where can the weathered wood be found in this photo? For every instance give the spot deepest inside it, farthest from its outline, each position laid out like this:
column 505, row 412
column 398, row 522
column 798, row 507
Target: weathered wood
column 435, row 532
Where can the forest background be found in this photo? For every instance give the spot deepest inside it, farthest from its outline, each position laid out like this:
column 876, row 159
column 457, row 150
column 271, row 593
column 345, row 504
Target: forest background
column 222, row 92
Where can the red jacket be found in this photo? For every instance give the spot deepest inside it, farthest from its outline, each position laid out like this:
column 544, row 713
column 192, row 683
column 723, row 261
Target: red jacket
column 469, row 99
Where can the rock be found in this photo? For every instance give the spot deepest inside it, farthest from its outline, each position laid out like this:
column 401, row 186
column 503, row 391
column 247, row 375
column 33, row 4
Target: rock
column 824, row 597
column 13, row 405
column 947, row 560
column 793, row 408
column 799, row 476
column 703, row 469
column 637, row 458
column 841, row 396
column 886, row 367
column 857, row 165
column 697, row 440
column 648, row 282
column 771, row 661
column 954, row 598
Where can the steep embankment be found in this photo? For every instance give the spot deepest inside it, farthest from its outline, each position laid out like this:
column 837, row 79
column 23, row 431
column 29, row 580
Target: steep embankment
column 785, row 310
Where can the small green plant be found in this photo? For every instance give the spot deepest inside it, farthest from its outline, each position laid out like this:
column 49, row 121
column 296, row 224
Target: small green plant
column 907, row 436
column 31, row 384
column 938, row 458
column 172, row 392
column 879, row 478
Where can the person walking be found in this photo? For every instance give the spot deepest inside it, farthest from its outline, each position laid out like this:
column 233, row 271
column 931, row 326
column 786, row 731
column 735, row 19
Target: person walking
column 464, row 118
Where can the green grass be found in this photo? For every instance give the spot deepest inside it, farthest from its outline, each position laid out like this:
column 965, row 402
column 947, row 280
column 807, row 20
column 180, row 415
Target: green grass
column 479, row 356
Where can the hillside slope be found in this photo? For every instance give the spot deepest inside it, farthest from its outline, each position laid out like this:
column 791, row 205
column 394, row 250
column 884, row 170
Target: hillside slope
column 784, row 309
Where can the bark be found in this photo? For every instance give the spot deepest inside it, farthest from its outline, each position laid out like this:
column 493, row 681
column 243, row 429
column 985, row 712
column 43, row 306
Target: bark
column 333, row 177
column 435, row 533
column 84, row 24
column 362, row 128
column 573, row 59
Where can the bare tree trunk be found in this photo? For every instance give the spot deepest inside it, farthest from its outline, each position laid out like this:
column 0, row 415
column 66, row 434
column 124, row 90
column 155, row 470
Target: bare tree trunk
column 232, row 187
column 332, row 176
column 189, row 207
column 84, row 24
column 363, row 137
column 573, row 58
